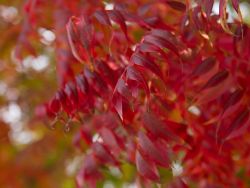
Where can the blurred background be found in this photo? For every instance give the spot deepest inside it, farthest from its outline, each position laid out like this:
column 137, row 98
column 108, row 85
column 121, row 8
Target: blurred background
column 32, row 154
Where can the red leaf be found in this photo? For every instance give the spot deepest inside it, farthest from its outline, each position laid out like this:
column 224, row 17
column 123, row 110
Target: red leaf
column 218, row 78
column 207, row 68
column 105, row 120
column 161, row 43
column 65, row 102
column 146, row 62
column 148, row 47
column 86, row 135
column 147, row 146
column 82, row 84
column 196, row 18
column 145, row 168
column 88, row 174
column 123, row 89
column 223, row 15
column 96, row 82
column 90, row 167
column 106, row 72
column 73, row 36
column 71, row 92
column 110, row 140
column 55, row 104
column 80, row 36
column 162, row 33
column 235, row 4
column 118, row 105
column 117, row 17
column 236, row 7
column 214, row 87
column 208, row 6
column 239, row 124
column 157, row 127
column 102, row 17
column 133, row 74
column 232, row 103
column 103, row 154
column 204, row 66
column 230, row 106
column 177, row 5
column 178, row 183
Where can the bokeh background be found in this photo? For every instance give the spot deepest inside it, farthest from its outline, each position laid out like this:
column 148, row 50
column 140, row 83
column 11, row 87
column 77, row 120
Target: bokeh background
column 31, row 153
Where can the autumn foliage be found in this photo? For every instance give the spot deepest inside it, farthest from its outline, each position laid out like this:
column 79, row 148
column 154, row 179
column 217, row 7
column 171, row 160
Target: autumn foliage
column 149, row 84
